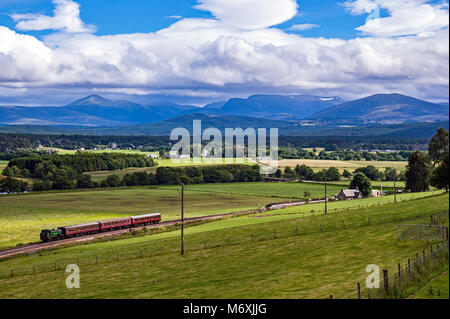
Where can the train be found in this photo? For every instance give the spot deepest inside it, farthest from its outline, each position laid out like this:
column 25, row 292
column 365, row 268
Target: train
column 98, row 227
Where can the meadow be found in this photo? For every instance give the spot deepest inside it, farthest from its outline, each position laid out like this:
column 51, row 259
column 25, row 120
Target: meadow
column 244, row 257
column 3, row 164
column 22, row 217
column 280, row 190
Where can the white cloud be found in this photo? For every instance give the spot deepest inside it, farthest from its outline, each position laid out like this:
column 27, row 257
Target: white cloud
column 303, row 27
column 66, row 17
column 406, row 17
column 250, row 14
column 210, row 57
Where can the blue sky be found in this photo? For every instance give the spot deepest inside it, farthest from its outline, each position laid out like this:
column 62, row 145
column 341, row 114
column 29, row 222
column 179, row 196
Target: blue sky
column 198, row 51
column 132, row 16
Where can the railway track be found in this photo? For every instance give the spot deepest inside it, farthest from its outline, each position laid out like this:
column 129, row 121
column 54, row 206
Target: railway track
column 34, row 247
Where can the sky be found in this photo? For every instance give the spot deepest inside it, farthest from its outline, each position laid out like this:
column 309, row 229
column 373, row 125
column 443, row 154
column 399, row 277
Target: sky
column 198, row 51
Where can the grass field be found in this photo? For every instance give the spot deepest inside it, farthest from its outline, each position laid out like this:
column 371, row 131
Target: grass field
column 317, row 165
column 247, row 257
column 22, row 217
column 281, row 190
column 3, row 164
column 438, row 288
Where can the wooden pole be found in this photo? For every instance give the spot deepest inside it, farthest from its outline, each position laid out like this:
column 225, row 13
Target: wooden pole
column 182, row 219
column 395, row 191
column 409, row 266
column 326, row 207
column 386, row 281
column 359, row 290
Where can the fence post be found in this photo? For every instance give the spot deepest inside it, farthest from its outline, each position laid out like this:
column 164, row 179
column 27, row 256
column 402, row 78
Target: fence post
column 142, row 254
column 331, row 296
column 229, row 240
column 386, row 281
column 12, row 273
column 409, row 266
column 321, row 228
column 359, row 290
column 297, row 230
column 205, row 244
column 399, row 271
column 431, row 252
column 274, row 234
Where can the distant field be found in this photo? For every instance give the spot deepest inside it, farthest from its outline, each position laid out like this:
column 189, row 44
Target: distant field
column 3, row 164
column 247, row 257
column 341, row 165
column 280, row 190
column 64, row 151
column 375, row 184
column 22, row 217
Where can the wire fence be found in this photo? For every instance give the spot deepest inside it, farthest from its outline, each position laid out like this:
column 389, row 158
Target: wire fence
column 394, row 284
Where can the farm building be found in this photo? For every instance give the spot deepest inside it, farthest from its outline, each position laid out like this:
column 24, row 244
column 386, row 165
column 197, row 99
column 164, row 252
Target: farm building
column 376, row 193
column 349, row 194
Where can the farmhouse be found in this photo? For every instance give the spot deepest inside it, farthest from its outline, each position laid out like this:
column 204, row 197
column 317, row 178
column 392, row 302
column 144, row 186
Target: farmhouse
column 349, row 194
column 376, row 193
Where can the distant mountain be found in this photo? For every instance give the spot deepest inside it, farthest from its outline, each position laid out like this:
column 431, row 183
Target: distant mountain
column 383, row 109
column 93, row 110
column 278, row 107
column 97, row 111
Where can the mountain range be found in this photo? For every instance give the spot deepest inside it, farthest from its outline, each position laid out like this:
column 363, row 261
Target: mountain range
column 283, row 111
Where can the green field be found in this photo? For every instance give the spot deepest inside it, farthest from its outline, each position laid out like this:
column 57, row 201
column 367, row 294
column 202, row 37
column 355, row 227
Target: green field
column 22, row 217
column 3, row 164
column 246, row 257
column 281, row 190
column 438, row 288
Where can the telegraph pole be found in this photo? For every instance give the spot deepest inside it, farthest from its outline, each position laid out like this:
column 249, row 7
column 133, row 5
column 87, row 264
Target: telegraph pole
column 395, row 190
column 326, row 208
column 182, row 219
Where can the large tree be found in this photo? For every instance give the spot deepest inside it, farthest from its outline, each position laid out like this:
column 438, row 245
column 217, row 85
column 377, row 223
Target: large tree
column 370, row 171
column 438, row 151
column 418, row 172
column 438, row 148
column 362, row 183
